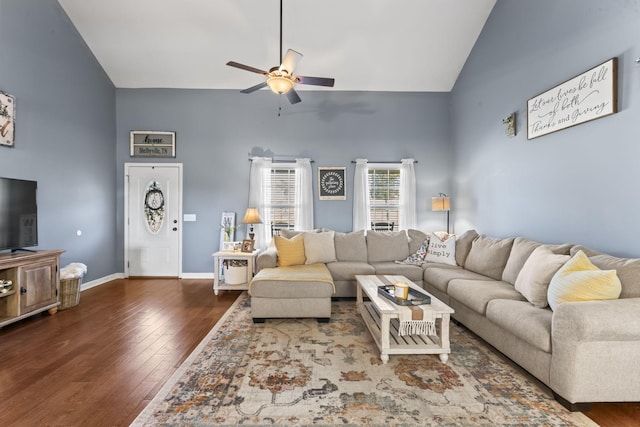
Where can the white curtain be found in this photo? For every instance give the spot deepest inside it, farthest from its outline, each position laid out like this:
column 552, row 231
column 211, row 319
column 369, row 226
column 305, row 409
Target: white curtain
column 259, row 195
column 361, row 214
column 407, row 218
column 304, row 195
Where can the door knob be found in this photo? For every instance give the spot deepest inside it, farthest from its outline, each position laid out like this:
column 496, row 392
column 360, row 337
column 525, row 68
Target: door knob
column 23, row 290
column 175, row 228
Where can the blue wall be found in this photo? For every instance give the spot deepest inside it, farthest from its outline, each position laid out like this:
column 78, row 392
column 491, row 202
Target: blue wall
column 65, row 131
column 575, row 185
column 217, row 129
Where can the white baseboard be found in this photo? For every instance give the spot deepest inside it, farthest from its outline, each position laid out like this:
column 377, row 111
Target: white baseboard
column 196, row 276
column 101, row 281
column 116, row 276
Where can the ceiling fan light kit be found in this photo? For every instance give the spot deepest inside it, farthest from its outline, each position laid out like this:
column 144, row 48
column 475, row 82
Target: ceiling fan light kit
column 280, row 79
column 280, row 84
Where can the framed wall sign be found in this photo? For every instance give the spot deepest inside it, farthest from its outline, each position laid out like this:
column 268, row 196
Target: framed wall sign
column 332, row 183
column 7, row 119
column 145, row 143
column 588, row 96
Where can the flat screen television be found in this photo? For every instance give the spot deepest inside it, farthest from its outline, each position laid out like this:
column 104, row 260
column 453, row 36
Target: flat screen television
column 18, row 214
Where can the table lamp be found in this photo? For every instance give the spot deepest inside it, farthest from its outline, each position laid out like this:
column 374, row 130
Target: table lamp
column 251, row 217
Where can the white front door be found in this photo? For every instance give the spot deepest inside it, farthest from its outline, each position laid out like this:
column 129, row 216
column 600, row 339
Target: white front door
column 153, row 207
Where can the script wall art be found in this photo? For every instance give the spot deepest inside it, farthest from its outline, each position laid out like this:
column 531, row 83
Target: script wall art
column 588, row 96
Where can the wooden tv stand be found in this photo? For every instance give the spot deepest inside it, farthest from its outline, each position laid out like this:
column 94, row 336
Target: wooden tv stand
column 36, row 280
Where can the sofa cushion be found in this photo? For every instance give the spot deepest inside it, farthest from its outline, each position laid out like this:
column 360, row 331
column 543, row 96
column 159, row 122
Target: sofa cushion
column 319, row 247
column 535, row 276
column 439, row 275
column 442, row 248
column 529, row 323
column 463, row 245
column 488, row 256
column 387, row 246
column 627, row 269
column 520, row 251
column 580, row 280
column 351, row 246
column 411, row 272
column 290, row 251
column 476, row 294
column 347, row 270
column 416, row 238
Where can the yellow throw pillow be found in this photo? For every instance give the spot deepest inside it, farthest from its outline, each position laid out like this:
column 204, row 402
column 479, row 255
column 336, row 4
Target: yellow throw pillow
column 290, row 251
column 580, row 280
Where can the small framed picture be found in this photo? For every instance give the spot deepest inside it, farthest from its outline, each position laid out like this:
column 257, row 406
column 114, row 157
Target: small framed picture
column 7, row 119
column 231, row 246
column 331, row 183
column 247, row 245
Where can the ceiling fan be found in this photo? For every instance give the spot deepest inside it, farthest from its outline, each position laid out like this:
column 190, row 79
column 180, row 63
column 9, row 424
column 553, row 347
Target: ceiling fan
column 280, row 78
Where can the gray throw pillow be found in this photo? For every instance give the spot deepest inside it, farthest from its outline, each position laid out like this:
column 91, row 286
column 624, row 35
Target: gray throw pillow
column 351, row 246
column 463, row 245
column 488, row 256
column 387, row 246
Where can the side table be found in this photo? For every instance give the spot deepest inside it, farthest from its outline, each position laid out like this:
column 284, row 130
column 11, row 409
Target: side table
column 220, row 262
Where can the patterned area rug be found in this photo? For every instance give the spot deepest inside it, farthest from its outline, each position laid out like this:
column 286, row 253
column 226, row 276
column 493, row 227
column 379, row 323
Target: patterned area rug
column 300, row 372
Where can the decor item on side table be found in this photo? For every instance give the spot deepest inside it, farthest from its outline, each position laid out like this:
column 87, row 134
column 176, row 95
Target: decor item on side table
column 227, row 228
column 251, row 217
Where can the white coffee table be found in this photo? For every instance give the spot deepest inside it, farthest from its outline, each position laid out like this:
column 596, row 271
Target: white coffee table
column 381, row 317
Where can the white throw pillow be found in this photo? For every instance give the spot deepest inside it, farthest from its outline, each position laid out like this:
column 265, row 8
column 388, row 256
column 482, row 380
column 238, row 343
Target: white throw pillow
column 442, row 248
column 536, row 273
column 319, row 247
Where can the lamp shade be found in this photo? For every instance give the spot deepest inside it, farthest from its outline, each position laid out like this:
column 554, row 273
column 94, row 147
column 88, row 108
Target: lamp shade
column 251, row 216
column 441, row 203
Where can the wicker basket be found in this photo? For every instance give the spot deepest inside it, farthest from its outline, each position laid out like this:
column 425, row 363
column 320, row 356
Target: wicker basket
column 69, row 293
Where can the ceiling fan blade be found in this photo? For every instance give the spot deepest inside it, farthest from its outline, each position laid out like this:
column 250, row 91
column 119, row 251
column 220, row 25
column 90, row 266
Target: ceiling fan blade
column 292, row 96
column 290, row 61
column 316, row 81
column 254, row 88
column 246, row 67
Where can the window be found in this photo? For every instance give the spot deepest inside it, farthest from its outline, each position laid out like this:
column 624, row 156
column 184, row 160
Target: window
column 384, row 197
column 281, row 198
column 283, row 195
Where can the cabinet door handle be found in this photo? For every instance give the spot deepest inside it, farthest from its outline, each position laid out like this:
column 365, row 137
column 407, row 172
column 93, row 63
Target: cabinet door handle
column 23, row 290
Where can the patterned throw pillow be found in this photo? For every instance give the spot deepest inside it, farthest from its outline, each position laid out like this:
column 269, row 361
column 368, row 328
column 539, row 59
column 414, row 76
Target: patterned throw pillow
column 580, row 280
column 419, row 256
column 442, row 248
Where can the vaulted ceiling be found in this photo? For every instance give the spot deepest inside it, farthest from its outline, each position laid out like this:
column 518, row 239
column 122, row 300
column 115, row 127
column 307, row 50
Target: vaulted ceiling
column 366, row 45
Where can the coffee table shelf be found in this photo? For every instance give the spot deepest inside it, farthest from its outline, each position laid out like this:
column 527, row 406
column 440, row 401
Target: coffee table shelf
column 381, row 317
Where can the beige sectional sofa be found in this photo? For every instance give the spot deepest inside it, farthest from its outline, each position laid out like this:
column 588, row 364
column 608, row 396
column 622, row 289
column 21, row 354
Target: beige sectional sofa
column 586, row 351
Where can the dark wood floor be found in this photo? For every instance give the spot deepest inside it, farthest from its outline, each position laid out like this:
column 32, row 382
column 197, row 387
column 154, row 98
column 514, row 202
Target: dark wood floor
column 101, row 362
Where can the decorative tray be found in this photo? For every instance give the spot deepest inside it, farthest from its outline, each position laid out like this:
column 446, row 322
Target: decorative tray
column 415, row 297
